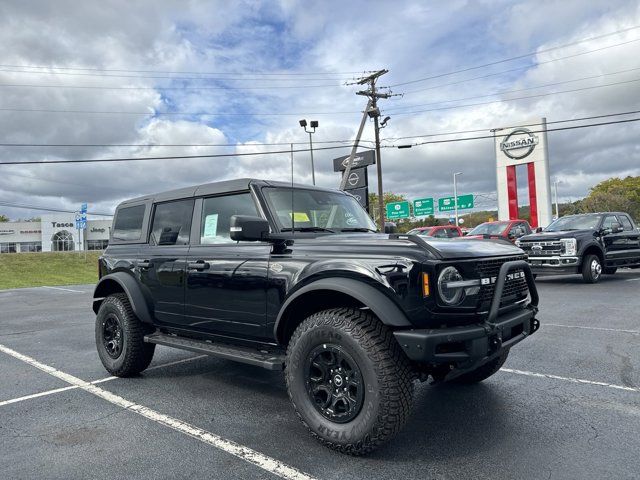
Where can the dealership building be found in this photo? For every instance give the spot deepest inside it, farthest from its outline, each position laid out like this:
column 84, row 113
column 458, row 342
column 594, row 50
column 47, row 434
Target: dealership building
column 54, row 233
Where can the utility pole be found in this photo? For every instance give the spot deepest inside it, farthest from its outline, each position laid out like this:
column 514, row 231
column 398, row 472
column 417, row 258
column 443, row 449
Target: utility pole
column 455, row 194
column 555, row 185
column 372, row 111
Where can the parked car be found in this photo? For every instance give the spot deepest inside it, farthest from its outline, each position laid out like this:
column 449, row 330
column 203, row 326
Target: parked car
column 588, row 244
column 503, row 230
column 296, row 279
column 439, row 231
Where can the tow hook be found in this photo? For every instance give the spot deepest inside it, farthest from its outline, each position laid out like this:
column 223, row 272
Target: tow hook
column 535, row 325
column 495, row 343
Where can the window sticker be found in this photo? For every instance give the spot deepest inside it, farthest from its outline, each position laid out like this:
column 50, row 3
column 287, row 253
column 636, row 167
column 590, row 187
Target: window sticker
column 299, row 216
column 211, row 226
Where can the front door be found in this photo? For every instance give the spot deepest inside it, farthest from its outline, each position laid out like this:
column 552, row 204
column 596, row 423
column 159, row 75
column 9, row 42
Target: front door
column 161, row 263
column 226, row 280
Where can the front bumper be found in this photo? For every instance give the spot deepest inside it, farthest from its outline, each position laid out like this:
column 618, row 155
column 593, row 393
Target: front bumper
column 555, row 264
column 468, row 346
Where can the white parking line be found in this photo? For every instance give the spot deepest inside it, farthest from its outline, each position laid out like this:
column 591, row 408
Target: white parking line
column 569, row 379
column 247, row 454
column 64, row 289
column 619, row 330
column 102, row 380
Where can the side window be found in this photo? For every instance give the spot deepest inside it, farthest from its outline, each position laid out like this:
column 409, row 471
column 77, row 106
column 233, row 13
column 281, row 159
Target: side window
column 128, row 223
column 172, row 223
column 625, row 222
column 609, row 220
column 440, row 233
column 453, row 232
column 216, row 216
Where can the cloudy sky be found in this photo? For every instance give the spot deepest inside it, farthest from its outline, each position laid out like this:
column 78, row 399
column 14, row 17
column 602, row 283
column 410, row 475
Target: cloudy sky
column 137, row 79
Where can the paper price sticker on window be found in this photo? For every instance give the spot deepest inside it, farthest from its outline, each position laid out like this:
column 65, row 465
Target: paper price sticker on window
column 211, row 225
column 299, row 216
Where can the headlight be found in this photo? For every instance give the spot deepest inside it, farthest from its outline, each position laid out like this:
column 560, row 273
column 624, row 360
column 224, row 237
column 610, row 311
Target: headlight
column 569, row 247
column 450, row 296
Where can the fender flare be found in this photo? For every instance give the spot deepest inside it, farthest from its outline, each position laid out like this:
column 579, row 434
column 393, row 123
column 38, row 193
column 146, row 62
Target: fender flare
column 593, row 244
column 381, row 305
column 132, row 290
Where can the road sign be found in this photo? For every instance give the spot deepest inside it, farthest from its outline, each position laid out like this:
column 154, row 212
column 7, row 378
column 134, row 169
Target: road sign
column 423, row 207
column 361, row 159
column 397, row 210
column 81, row 224
column 357, row 179
column 83, row 208
column 446, row 204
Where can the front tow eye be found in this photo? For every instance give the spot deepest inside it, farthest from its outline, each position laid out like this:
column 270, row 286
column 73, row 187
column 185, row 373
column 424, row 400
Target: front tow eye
column 495, row 343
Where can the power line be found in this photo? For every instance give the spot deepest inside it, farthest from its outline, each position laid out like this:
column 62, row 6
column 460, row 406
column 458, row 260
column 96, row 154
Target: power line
column 386, row 139
column 481, row 137
column 537, row 52
column 441, row 134
column 291, row 114
column 174, row 157
column 539, row 95
column 48, row 209
column 600, row 75
column 102, row 87
column 526, row 67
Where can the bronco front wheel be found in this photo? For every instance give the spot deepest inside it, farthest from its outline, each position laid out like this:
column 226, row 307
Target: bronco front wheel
column 348, row 380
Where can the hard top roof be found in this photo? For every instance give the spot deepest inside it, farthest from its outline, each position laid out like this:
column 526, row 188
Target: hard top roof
column 216, row 188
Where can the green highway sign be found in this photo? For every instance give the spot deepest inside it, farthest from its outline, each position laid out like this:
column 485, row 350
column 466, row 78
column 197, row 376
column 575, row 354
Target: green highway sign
column 397, row 210
column 446, row 204
column 423, row 207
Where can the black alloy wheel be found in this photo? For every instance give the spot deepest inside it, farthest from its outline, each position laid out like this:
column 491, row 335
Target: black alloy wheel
column 112, row 336
column 334, row 383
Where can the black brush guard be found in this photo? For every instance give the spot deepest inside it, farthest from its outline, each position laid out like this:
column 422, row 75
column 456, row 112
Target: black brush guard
column 471, row 346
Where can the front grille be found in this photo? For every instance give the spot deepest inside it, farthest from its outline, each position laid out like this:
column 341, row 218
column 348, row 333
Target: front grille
column 515, row 289
column 541, row 249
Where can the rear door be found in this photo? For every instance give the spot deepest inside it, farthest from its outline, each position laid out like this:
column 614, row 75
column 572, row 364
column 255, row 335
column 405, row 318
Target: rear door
column 633, row 238
column 226, row 280
column 161, row 263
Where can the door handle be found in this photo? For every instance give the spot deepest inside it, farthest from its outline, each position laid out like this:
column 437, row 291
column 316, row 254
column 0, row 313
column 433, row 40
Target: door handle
column 198, row 265
column 144, row 264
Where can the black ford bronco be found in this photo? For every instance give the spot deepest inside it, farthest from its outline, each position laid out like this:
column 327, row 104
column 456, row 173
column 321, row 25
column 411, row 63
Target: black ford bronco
column 296, row 278
column 589, row 244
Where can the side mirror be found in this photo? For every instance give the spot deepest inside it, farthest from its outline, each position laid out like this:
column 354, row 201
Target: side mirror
column 616, row 228
column 539, row 229
column 248, row 228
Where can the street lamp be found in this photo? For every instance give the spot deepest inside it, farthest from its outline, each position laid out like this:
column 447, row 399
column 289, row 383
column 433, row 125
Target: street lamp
column 555, row 184
column 313, row 125
column 455, row 194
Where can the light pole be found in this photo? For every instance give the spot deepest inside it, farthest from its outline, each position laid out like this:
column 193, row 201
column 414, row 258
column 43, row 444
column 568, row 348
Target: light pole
column 455, row 194
column 313, row 125
column 555, row 185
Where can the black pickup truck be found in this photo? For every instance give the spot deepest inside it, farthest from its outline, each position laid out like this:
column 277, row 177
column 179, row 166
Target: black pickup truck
column 296, row 278
column 590, row 244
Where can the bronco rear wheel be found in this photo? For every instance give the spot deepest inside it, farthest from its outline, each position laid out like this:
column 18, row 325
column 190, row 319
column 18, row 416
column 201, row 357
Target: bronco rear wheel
column 120, row 338
column 348, row 380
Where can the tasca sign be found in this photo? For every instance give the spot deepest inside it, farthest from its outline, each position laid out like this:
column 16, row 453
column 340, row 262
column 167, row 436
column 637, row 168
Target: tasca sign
column 361, row 159
column 519, row 143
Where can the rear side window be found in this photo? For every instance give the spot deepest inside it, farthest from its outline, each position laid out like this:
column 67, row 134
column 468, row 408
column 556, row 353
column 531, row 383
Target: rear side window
column 172, row 223
column 626, row 223
column 441, row 233
column 128, row 223
column 453, row 232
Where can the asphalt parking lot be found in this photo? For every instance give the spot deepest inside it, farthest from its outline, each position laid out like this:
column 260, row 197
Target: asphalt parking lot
column 566, row 404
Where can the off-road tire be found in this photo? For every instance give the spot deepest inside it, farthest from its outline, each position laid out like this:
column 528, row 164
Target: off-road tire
column 388, row 379
column 483, row 372
column 135, row 355
column 589, row 275
column 610, row 270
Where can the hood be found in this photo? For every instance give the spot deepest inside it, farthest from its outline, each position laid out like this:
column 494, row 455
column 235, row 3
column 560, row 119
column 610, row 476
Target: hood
column 550, row 236
column 444, row 248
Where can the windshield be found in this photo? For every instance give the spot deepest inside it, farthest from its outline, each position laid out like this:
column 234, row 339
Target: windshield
column 495, row 228
column 316, row 210
column 574, row 222
column 418, row 231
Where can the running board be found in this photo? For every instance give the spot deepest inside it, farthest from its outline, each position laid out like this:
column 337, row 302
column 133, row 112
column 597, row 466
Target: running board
column 251, row 356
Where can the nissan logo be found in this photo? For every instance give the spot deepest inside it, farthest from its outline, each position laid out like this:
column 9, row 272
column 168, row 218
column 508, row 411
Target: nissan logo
column 520, row 146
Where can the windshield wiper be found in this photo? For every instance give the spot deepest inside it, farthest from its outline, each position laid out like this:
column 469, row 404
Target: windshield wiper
column 308, row 229
column 358, row 229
